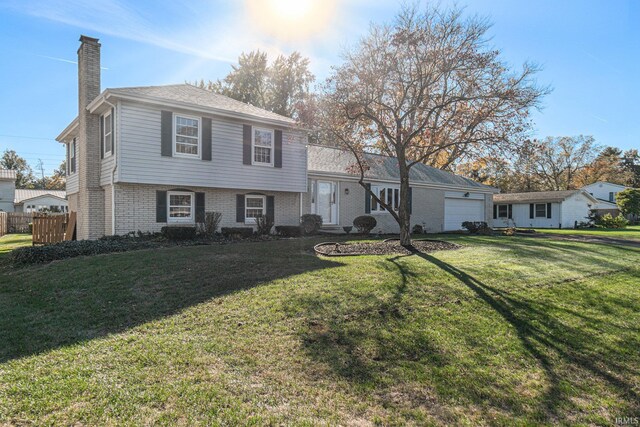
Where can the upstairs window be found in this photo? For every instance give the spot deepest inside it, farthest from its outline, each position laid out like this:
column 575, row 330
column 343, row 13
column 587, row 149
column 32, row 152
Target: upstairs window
column 612, row 197
column 262, row 147
column 72, row 156
column 108, row 133
column 186, row 137
column 541, row 210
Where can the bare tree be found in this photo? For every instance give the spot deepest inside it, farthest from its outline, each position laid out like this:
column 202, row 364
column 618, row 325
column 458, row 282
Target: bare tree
column 559, row 160
column 425, row 89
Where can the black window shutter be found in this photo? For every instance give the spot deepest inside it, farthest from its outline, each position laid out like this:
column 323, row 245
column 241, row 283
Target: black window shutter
column 161, row 206
column 101, row 130
column 206, row 138
column 166, row 133
column 410, row 200
column 548, row 210
column 271, row 207
column 510, row 211
column 277, row 159
column 531, row 210
column 367, row 199
column 495, row 211
column 199, row 207
column 239, row 207
column 246, row 146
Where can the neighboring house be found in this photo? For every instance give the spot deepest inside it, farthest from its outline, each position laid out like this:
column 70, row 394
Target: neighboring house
column 40, row 200
column 543, row 209
column 7, row 189
column 439, row 200
column 605, row 193
column 141, row 158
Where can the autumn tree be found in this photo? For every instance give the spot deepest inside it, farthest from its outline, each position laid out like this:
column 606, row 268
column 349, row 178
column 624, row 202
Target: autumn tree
column 561, row 159
column 282, row 87
column 607, row 166
column 24, row 174
column 631, row 164
column 426, row 87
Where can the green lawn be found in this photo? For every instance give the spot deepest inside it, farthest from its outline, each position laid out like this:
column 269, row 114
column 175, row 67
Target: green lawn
column 631, row 232
column 9, row 242
column 506, row 331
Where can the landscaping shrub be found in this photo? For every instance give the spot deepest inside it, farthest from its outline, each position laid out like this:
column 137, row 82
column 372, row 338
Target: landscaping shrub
column 476, row 227
column 417, row 229
column 364, row 224
column 211, row 223
column 264, row 224
column 70, row 249
column 237, row 232
column 609, row 221
column 311, row 223
column 178, row 233
column 289, row 230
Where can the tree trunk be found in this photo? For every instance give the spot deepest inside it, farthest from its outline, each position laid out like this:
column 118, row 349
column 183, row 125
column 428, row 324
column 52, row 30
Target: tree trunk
column 403, row 209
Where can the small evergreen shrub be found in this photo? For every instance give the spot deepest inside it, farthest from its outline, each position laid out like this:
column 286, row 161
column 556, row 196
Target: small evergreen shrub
column 178, row 233
column 237, row 232
column 609, row 221
column 476, row 227
column 264, row 224
column 417, row 229
column 289, row 230
column 311, row 223
column 364, row 224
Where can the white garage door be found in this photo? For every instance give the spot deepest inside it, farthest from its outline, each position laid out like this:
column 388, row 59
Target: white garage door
column 457, row 211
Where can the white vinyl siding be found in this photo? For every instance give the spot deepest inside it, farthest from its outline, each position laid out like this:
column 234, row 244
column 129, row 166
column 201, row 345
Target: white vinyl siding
column 140, row 159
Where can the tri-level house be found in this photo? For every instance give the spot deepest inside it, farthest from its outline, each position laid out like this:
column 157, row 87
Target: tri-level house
column 140, row 158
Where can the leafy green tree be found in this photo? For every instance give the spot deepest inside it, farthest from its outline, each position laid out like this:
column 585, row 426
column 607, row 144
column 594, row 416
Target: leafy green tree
column 628, row 202
column 12, row 161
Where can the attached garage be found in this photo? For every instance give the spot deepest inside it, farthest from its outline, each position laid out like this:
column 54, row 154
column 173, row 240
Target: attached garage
column 461, row 207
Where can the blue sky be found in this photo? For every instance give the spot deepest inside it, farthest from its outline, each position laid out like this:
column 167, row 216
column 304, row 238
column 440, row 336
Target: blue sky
column 589, row 51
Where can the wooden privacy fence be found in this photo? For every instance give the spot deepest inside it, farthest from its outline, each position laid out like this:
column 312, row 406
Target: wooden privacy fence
column 4, row 223
column 18, row 222
column 53, row 228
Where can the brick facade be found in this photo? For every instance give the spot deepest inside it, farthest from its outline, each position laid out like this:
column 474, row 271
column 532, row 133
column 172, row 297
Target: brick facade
column 135, row 206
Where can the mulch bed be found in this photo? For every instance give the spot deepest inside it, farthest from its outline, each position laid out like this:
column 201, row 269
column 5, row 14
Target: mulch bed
column 386, row 247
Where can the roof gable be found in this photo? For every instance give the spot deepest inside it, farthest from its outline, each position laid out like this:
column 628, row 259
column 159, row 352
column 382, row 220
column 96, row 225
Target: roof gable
column 540, row 196
column 26, row 194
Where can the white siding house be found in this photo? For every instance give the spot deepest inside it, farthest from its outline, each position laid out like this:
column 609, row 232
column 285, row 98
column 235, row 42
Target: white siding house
column 7, row 189
column 546, row 209
column 40, row 200
column 605, row 193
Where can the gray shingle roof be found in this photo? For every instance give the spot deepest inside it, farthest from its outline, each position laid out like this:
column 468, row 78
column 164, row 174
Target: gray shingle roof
column 535, row 196
column 193, row 95
column 22, row 195
column 337, row 161
column 7, row 174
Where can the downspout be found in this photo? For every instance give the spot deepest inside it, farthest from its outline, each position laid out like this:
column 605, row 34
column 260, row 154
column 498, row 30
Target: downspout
column 115, row 165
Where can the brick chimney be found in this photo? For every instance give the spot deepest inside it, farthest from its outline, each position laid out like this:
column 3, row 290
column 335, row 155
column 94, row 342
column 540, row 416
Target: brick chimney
column 90, row 205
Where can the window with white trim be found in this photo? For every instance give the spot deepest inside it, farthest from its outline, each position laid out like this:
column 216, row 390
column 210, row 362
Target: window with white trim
column 180, row 206
column 541, row 210
column 254, row 206
column 389, row 195
column 186, row 136
column 107, row 133
column 72, row 156
column 262, row 147
column 503, row 211
column 612, row 196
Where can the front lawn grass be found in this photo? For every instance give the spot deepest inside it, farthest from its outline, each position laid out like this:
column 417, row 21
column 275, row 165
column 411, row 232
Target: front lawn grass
column 9, row 242
column 631, row 232
column 506, row 331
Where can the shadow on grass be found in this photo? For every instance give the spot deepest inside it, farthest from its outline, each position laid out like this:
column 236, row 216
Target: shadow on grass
column 380, row 344
column 67, row 302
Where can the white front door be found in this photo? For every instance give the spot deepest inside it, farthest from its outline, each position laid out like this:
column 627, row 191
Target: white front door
column 326, row 205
